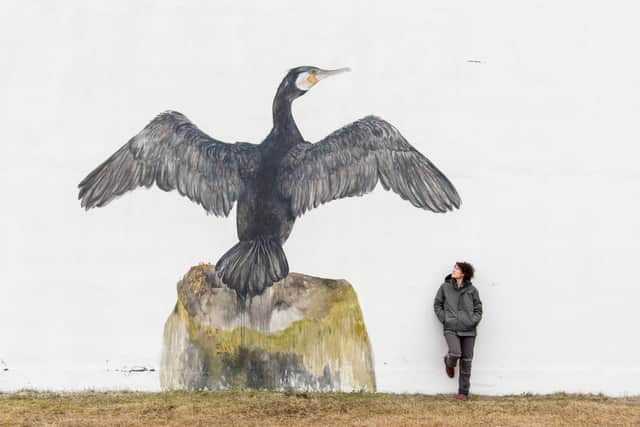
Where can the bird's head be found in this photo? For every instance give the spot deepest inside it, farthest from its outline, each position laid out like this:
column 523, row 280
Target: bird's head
column 299, row 80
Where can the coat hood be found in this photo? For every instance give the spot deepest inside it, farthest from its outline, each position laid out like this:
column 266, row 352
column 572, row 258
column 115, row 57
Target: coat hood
column 449, row 279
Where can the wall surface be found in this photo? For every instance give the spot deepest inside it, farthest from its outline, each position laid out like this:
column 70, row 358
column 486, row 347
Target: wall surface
column 540, row 138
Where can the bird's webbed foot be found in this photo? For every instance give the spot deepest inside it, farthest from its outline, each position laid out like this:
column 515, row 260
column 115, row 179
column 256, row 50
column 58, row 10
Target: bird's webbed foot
column 214, row 280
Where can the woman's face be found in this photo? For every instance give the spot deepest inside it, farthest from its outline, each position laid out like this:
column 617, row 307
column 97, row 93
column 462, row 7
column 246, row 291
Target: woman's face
column 456, row 273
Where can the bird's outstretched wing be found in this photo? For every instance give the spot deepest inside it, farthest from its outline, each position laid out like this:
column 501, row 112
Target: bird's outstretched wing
column 174, row 154
column 350, row 161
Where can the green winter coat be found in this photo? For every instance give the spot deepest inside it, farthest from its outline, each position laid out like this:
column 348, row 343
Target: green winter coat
column 459, row 310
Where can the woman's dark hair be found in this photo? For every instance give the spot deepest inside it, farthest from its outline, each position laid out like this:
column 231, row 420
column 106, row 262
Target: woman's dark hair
column 467, row 269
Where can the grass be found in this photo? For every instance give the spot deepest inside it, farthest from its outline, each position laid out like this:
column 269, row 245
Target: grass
column 263, row 408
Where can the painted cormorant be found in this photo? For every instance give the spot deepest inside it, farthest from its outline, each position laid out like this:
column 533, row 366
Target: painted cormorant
column 274, row 182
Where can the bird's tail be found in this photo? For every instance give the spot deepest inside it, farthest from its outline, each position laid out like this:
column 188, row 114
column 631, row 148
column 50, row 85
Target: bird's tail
column 251, row 266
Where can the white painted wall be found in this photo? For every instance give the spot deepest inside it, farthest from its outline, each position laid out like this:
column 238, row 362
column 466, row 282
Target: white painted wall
column 540, row 139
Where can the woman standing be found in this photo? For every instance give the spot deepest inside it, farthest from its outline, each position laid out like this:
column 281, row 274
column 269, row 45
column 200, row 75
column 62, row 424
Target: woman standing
column 459, row 309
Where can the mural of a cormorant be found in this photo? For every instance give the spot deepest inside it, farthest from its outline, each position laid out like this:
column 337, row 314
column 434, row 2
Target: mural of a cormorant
column 273, row 182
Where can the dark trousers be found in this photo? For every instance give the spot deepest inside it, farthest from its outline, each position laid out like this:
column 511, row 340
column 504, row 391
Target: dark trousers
column 460, row 348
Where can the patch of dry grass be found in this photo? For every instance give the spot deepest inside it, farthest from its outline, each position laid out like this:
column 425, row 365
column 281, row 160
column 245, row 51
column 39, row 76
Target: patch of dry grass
column 32, row 408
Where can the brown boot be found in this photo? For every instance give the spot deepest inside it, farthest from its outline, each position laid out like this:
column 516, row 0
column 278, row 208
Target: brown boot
column 450, row 370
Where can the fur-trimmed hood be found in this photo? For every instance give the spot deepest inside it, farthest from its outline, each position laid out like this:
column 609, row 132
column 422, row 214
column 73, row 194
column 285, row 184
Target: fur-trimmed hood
column 449, row 279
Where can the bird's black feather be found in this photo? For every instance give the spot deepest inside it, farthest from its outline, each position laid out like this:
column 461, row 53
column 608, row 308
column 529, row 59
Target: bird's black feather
column 350, row 161
column 172, row 152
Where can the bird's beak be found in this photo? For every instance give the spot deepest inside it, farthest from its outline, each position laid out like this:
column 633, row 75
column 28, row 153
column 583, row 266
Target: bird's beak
column 322, row 74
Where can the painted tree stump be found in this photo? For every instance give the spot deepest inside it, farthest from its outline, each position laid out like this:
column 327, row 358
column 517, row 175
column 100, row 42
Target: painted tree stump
column 303, row 333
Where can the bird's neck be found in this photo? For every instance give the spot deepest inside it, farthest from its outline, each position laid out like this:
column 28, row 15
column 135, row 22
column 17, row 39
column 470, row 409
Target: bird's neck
column 283, row 122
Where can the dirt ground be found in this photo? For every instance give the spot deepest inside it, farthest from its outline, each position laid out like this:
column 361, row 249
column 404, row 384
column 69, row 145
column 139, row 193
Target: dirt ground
column 261, row 408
